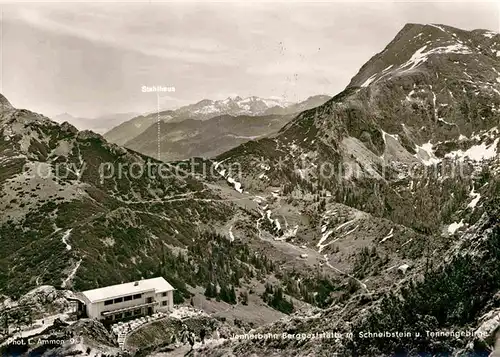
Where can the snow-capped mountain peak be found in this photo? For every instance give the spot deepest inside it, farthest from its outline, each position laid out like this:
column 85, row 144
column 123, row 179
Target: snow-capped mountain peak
column 234, row 105
column 418, row 47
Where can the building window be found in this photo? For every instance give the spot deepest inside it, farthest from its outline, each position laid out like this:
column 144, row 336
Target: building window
column 137, row 296
column 164, row 303
column 138, row 312
column 118, row 300
column 164, row 294
column 127, row 298
column 108, row 302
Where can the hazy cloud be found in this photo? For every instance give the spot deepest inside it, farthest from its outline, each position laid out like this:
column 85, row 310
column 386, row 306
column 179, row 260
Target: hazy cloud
column 87, row 59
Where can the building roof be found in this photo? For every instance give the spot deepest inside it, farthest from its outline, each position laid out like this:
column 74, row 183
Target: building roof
column 135, row 287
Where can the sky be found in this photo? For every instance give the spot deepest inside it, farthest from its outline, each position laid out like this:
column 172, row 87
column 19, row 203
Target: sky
column 90, row 59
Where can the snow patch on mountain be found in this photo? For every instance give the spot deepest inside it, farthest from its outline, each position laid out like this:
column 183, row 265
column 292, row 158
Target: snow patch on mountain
column 351, row 231
column 452, row 228
column 324, row 237
column 489, row 34
column 476, row 197
column 222, row 172
column 236, row 184
column 425, row 154
column 437, row 26
column 277, row 223
column 421, row 55
column 344, row 224
column 477, row 152
column 389, row 236
column 384, row 135
column 369, row 80
column 65, row 239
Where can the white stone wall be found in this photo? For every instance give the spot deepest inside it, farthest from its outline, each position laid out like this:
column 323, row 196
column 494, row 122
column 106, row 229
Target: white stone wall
column 169, row 298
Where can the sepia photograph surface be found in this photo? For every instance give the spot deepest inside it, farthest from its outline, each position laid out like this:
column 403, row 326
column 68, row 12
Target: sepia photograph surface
column 249, row 178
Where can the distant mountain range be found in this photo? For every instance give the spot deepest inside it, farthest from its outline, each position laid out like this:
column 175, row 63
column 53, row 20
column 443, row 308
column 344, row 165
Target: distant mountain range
column 98, row 125
column 206, row 109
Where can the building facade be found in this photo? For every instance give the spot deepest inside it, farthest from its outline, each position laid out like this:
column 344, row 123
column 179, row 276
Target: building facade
column 123, row 301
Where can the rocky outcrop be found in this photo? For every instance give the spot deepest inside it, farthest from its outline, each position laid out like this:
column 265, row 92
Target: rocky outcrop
column 4, row 103
column 489, row 326
column 67, row 127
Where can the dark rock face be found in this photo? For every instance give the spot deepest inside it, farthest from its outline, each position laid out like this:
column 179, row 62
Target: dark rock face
column 67, row 127
column 4, row 103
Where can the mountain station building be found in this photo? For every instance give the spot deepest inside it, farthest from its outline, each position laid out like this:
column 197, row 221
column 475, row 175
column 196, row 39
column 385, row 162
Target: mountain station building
column 124, row 301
